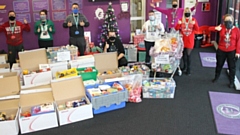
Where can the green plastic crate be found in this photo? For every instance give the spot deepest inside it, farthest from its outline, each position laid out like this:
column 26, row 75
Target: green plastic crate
column 88, row 75
column 141, row 56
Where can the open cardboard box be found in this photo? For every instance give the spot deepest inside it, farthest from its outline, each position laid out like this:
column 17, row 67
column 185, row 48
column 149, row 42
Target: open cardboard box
column 9, row 102
column 3, row 58
column 4, row 68
column 30, row 60
column 83, row 61
column 16, row 68
column 56, row 67
column 29, row 99
column 105, row 62
column 36, row 88
column 69, row 89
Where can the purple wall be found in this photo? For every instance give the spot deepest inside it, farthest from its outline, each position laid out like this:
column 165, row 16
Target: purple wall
column 61, row 36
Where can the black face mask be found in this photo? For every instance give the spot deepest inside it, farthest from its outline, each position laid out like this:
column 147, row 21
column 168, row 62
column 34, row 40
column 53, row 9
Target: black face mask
column 11, row 18
column 228, row 24
column 112, row 38
column 174, row 5
column 187, row 14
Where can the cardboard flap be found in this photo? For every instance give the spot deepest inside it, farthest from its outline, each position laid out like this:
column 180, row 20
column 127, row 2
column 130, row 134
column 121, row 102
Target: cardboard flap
column 9, row 84
column 4, row 55
column 68, row 88
column 30, row 60
column 9, row 104
column 33, row 99
column 36, row 88
column 4, row 66
column 106, row 61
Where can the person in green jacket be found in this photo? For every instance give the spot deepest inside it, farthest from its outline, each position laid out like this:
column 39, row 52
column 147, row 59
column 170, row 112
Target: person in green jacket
column 44, row 28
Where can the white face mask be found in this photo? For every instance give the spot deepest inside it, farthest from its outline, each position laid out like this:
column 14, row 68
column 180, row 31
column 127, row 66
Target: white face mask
column 151, row 18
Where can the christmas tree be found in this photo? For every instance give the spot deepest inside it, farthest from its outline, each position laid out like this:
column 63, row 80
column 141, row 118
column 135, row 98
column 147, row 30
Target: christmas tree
column 110, row 22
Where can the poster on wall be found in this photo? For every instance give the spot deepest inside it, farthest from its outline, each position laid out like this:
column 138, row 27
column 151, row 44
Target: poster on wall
column 21, row 6
column 21, row 17
column 59, row 5
column 79, row 2
column 36, row 16
column 59, row 16
column 206, row 6
column 39, row 5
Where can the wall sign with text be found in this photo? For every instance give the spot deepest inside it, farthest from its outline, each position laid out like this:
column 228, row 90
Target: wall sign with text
column 206, row 6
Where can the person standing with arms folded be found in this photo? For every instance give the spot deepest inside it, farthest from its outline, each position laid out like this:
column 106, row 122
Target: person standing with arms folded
column 13, row 30
column 228, row 48
column 173, row 14
column 187, row 25
column 44, row 28
column 152, row 29
column 76, row 23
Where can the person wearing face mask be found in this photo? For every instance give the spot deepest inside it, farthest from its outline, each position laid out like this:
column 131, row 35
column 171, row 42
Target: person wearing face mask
column 45, row 29
column 228, row 48
column 76, row 23
column 114, row 44
column 13, row 30
column 187, row 25
column 152, row 30
column 173, row 14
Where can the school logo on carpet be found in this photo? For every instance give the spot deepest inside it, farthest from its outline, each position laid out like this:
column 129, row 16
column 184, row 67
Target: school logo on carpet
column 229, row 111
column 210, row 59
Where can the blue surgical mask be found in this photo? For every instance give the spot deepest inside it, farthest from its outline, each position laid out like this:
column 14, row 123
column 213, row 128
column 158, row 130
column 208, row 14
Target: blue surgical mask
column 151, row 18
column 75, row 11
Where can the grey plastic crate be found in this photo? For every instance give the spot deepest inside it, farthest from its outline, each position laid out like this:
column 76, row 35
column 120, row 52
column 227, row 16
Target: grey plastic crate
column 132, row 54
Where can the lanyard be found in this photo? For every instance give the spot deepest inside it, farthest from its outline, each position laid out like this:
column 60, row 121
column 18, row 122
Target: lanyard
column 152, row 25
column 174, row 16
column 187, row 23
column 44, row 28
column 13, row 27
column 76, row 20
column 227, row 37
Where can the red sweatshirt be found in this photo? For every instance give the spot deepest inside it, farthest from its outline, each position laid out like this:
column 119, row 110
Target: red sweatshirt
column 14, row 38
column 234, row 43
column 188, row 34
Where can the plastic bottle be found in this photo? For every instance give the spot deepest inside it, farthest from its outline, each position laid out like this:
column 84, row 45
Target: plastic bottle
column 68, row 65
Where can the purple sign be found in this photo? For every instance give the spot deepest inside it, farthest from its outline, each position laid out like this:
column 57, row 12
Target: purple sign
column 21, row 17
column 59, row 16
column 226, row 110
column 39, row 5
column 79, row 2
column 36, row 17
column 209, row 60
column 21, row 6
column 59, row 5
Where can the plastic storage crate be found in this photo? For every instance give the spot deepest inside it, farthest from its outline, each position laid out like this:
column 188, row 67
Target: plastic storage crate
column 107, row 102
column 141, row 56
column 158, row 88
column 88, row 75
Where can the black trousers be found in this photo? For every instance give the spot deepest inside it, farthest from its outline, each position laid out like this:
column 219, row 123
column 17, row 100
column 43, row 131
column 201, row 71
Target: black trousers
column 122, row 62
column 231, row 59
column 79, row 42
column 148, row 46
column 45, row 44
column 13, row 53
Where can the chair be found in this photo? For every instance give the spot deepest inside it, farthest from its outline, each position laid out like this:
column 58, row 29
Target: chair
column 206, row 35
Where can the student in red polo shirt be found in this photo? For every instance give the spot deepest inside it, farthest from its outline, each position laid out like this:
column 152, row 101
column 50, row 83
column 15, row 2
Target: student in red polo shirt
column 228, row 47
column 13, row 30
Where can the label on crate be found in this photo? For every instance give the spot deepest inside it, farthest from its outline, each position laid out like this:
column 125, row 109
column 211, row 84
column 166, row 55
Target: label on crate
column 162, row 59
column 63, row 56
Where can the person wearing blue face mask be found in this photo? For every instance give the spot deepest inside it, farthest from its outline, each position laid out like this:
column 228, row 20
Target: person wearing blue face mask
column 45, row 29
column 152, row 30
column 76, row 23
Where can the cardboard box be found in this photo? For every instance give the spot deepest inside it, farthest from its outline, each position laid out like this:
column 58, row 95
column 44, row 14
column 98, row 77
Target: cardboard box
column 83, row 61
column 29, row 99
column 4, row 68
column 3, row 58
column 9, row 101
column 16, row 68
column 105, row 62
column 30, row 60
column 70, row 89
column 56, row 67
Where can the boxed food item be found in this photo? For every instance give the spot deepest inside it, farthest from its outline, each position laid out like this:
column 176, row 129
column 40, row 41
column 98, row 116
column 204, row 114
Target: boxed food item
column 4, row 68
column 29, row 62
column 66, row 73
column 71, row 100
column 158, row 88
column 83, row 62
column 107, row 96
column 9, row 100
column 107, row 65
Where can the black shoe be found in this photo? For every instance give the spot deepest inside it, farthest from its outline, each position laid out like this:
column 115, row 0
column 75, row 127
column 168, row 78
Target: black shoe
column 231, row 85
column 184, row 70
column 214, row 80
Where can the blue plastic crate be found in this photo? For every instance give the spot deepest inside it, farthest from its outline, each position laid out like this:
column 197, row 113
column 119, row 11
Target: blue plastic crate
column 107, row 102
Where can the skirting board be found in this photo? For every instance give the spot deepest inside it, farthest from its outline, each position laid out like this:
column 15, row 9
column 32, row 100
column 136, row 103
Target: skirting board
column 236, row 82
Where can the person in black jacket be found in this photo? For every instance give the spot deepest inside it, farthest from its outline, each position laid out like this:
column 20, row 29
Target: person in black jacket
column 114, row 44
column 75, row 22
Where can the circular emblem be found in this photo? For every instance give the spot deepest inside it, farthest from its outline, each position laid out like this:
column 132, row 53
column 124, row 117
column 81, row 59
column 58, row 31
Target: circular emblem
column 229, row 111
column 210, row 59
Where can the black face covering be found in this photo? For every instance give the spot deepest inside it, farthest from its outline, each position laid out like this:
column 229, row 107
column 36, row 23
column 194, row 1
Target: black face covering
column 112, row 38
column 174, row 5
column 187, row 14
column 11, row 18
column 228, row 24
